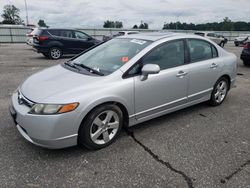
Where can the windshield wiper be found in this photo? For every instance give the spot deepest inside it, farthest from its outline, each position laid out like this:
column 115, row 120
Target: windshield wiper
column 89, row 69
column 71, row 65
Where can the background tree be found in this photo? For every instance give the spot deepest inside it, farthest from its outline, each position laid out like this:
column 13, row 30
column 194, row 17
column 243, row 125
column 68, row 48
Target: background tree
column 143, row 25
column 112, row 24
column 225, row 25
column 135, row 27
column 41, row 23
column 11, row 15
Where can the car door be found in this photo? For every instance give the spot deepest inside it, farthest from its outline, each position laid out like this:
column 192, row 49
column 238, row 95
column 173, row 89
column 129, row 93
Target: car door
column 204, row 68
column 66, row 38
column 167, row 89
column 82, row 41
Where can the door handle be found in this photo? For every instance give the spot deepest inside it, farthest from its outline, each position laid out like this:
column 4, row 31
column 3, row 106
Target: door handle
column 181, row 74
column 214, row 65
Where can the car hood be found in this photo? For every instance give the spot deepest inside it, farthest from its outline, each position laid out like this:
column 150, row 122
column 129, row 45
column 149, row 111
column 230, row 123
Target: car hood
column 54, row 81
column 240, row 38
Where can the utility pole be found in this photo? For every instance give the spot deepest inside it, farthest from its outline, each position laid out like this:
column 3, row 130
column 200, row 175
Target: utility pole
column 26, row 9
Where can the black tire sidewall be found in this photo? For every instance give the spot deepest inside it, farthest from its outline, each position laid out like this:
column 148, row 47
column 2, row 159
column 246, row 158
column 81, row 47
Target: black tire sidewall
column 49, row 54
column 212, row 99
column 84, row 131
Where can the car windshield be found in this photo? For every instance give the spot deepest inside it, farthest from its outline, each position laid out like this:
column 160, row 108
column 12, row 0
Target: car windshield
column 112, row 55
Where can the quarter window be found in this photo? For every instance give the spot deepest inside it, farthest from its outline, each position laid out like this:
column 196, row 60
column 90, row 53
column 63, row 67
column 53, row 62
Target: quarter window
column 200, row 50
column 167, row 55
column 80, row 35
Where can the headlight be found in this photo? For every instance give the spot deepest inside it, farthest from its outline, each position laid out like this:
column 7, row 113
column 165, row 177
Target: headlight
column 53, row 108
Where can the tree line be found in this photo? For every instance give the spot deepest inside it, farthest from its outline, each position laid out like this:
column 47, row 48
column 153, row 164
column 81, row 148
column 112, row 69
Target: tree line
column 225, row 25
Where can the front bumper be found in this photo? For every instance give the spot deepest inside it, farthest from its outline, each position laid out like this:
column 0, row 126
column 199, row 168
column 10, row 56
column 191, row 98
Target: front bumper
column 49, row 131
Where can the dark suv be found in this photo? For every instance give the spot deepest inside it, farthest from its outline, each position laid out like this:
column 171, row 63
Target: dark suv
column 53, row 43
column 245, row 55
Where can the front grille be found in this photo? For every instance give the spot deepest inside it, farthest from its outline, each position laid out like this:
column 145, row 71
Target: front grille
column 22, row 100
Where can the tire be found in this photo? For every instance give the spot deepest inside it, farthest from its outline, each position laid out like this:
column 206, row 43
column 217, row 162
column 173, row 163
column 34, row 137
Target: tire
column 95, row 131
column 55, row 53
column 219, row 92
column 236, row 44
column 246, row 63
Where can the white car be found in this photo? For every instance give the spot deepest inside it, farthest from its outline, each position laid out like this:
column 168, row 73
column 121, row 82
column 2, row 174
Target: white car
column 219, row 39
column 29, row 36
column 241, row 39
column 120, row 33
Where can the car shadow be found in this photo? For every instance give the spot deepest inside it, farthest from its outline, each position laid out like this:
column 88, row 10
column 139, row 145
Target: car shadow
column 80, row 150
column 159, row 121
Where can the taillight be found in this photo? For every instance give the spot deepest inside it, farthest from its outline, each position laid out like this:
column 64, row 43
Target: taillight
column 42, row 38
column 246, row 45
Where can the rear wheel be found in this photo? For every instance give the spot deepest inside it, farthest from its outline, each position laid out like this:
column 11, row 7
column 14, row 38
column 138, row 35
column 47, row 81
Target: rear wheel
column 101, row 127
column 55, row 53
column 219, row 92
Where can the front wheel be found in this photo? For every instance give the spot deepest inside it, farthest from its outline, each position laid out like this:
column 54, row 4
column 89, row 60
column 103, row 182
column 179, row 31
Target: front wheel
column 101, row 127
column 219, row 92
column 55, row 53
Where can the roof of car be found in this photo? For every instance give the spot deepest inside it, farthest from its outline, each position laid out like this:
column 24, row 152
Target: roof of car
column 152, row 36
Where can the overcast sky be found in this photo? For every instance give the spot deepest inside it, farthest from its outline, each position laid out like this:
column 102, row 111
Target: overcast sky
column 92, row 13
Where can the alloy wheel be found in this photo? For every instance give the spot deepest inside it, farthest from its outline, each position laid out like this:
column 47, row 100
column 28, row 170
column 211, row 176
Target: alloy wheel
column 221, row 91
column 104, row 127
column 55, row 53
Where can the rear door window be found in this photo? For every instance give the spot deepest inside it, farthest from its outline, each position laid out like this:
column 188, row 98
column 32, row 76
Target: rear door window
column 168, row 55
column 66, row 33
column 54, row 32
column 199, row 50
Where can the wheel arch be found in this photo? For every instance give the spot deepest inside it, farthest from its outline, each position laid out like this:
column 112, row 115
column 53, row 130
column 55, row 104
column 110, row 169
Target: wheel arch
column 228, row 79
column 119, row 104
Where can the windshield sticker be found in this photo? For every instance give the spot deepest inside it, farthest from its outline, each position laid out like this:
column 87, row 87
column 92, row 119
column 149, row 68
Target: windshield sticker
column 141, row 42
column 124, row 59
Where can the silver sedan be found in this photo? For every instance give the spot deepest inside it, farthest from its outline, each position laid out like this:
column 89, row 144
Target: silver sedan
column 123, row 82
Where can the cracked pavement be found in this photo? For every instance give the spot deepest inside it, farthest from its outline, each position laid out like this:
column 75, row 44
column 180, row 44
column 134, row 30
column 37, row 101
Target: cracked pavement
column 200, row 146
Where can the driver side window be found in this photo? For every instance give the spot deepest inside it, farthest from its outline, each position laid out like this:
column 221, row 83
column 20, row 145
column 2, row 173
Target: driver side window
column 168, row 55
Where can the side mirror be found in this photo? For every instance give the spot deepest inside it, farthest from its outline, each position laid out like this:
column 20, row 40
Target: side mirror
column 149, row 69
